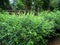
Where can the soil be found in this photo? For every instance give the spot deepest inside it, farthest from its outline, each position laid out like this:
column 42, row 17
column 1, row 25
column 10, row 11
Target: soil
column 55, row 42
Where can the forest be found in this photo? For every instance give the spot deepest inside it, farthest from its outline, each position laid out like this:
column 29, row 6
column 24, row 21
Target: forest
column 37, row 5
column 29, row 22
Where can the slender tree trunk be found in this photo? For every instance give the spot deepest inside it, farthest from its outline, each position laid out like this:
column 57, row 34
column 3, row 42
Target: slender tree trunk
column 27, row 5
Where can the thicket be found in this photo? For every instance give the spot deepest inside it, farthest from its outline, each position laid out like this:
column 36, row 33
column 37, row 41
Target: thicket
column 29, row 29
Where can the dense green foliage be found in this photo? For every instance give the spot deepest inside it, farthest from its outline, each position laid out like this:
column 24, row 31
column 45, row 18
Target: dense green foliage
column 31, row 28
column 28, row 29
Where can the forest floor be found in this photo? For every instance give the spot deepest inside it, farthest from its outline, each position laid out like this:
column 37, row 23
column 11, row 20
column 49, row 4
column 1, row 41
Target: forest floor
column 55, row 42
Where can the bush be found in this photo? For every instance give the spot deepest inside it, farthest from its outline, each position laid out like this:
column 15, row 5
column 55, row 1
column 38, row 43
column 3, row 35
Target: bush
column 25, row 30
column 55, row 16
column 29, row 29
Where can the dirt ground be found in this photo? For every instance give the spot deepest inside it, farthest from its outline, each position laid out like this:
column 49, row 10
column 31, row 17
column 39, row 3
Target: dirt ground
column 55, row 42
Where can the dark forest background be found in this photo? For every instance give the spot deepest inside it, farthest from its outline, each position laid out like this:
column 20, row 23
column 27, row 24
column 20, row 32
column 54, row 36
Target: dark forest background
column 27, row 5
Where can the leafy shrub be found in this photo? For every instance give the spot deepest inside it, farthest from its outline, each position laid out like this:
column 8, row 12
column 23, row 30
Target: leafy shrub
column 25, row 30
column 54, row 16
column 29, row 29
